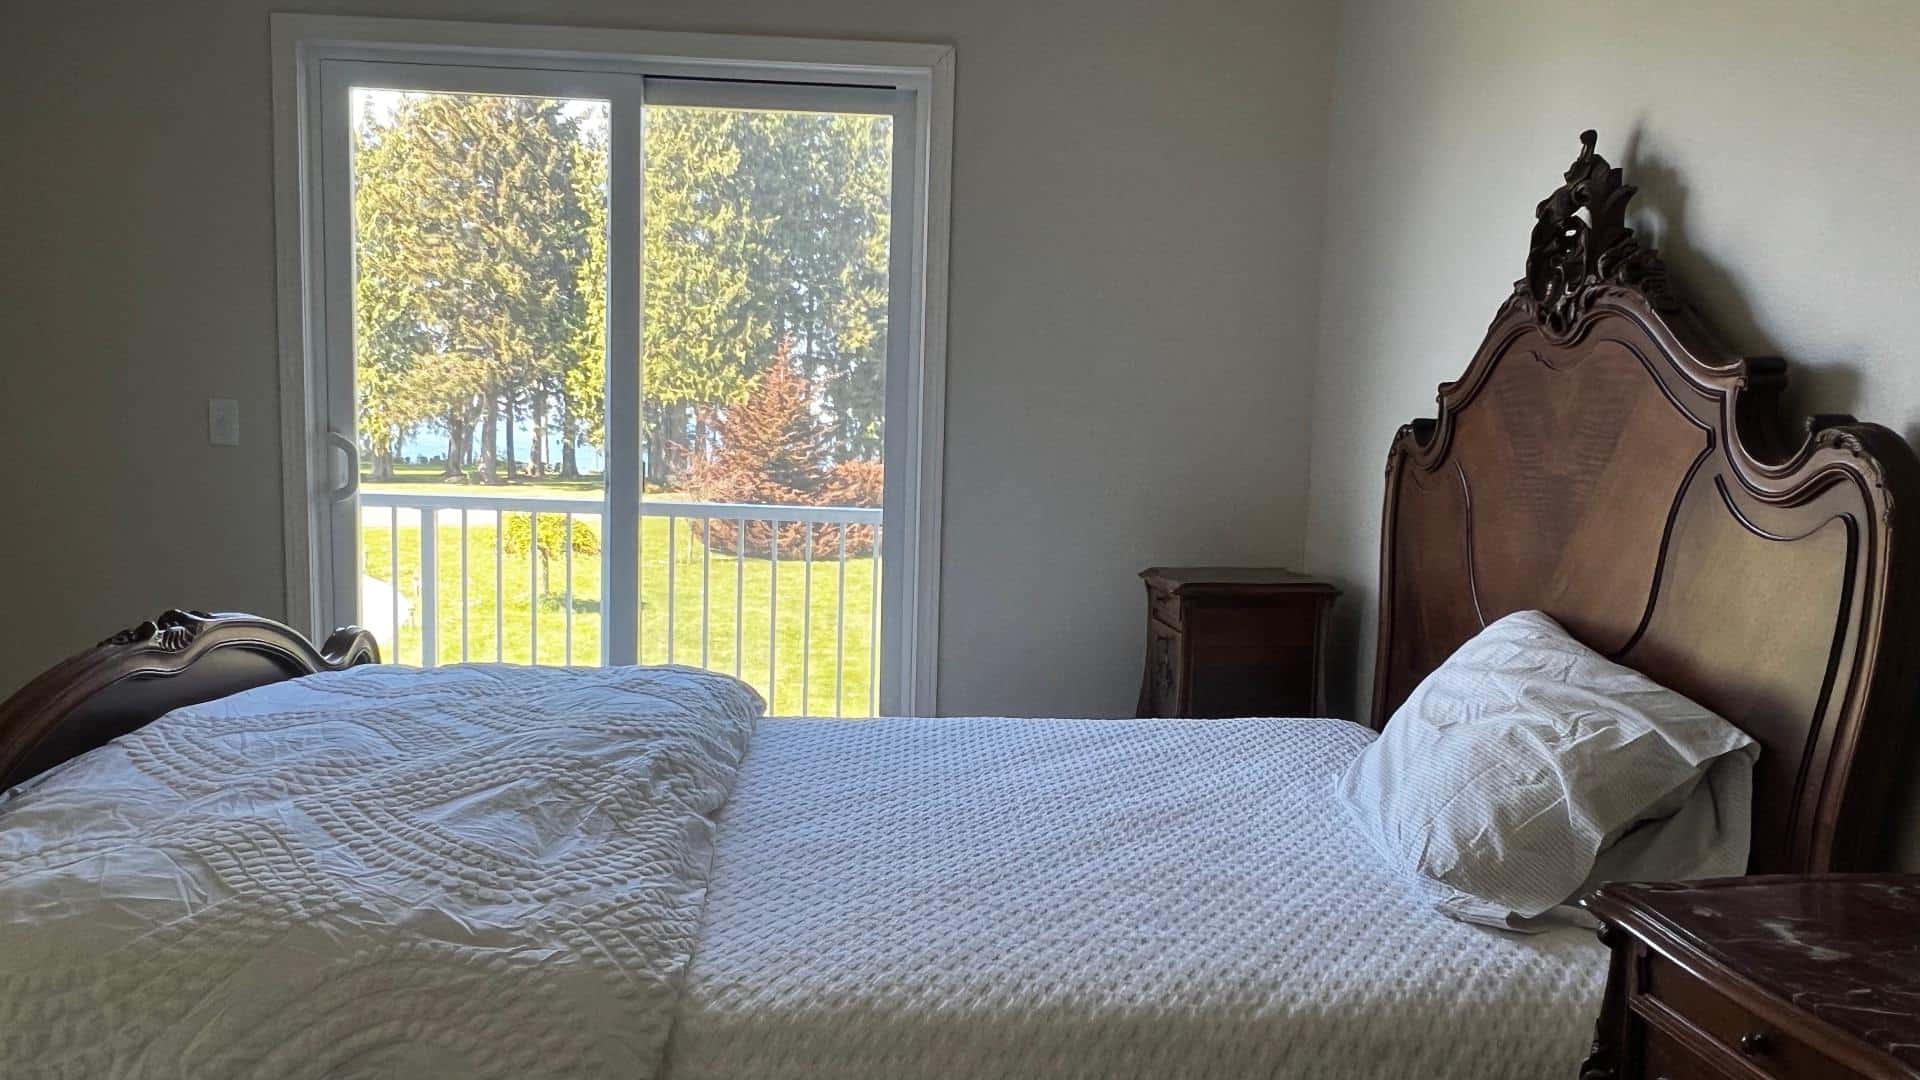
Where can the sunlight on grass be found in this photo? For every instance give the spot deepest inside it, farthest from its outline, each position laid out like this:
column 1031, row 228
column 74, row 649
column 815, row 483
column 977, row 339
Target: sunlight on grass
column 502, row 622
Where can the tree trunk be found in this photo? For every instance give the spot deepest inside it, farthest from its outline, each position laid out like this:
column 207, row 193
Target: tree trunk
column 674, row 435
column 489, row 439
column 469, row 425
column 383, row 464
column 456, row 463
column 655, row 419
column 537, row 453
column 569, row 462
column 510, row 458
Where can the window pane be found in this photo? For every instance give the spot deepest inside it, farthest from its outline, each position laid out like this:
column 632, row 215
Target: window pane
column 765, row 346
column 479, row 311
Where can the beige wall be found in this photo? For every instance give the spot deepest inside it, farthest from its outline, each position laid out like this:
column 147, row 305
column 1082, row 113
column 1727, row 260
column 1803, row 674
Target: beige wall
column 1136, row 234
column 1777, row 155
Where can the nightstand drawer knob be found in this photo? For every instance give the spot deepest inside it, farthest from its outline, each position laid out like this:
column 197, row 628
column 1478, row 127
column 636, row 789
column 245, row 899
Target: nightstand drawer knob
column 1754, row 1043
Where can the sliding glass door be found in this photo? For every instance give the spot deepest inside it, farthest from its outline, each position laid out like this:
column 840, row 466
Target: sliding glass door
column 608, row 360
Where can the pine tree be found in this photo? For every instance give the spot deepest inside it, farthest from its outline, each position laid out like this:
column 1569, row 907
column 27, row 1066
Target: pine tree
column 773, row 447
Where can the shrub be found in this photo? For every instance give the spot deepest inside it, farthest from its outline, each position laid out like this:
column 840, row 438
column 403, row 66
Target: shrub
column 552, row 541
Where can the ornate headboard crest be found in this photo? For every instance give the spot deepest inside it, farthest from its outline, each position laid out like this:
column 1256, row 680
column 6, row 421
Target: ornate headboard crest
column 1572, row 258
column 173, row 631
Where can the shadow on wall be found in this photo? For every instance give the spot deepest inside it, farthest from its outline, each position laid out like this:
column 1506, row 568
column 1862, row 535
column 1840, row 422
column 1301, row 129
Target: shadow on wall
column 1661, row 210
column 1821, row 386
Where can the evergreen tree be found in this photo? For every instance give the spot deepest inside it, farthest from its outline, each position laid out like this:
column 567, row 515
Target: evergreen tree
column 773, row 448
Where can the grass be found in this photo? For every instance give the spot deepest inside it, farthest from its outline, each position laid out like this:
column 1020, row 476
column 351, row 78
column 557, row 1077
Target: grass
column 507, row 629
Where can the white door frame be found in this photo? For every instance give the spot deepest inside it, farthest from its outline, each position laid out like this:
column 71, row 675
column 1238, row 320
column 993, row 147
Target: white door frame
column 922, row 73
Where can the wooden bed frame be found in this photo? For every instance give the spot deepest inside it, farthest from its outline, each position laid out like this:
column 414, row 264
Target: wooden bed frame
column 140, row 674
column 1601, row 459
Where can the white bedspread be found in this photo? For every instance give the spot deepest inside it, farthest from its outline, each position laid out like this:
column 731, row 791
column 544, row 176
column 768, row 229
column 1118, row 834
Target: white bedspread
column 1018, row 898
column 484, row 872
column 383, row 872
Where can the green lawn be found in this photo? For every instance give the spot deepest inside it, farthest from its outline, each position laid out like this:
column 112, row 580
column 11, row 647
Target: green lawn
column 749, row 579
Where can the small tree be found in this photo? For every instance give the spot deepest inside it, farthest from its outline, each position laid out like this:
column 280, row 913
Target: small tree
column 552, row 541
column 774, row 448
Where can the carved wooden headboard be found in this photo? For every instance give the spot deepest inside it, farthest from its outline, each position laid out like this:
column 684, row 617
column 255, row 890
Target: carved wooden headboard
column 1604, row 461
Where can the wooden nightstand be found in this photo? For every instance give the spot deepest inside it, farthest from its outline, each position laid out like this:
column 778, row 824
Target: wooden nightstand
column 1760, row 977
column 1234, row 641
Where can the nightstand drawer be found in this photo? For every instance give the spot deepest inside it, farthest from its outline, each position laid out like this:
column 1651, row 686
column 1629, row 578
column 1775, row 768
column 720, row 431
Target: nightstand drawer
column 1734, row 1029
column 1667, row 1059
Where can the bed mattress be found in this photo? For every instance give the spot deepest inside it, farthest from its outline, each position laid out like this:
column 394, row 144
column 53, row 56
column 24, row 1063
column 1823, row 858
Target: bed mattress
column 1073, row 898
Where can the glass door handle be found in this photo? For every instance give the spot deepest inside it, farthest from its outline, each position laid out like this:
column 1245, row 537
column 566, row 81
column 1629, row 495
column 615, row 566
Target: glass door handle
column 351, row 452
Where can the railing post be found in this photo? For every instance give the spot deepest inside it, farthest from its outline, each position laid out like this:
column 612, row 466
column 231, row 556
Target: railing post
column 739, row 594
column 773, row 613
column 639, row 584
column 533, row 587
column 466, row 616
column 806, row 626
column 673, row 586
column 500, row 587
column 840, row 625
column 567, row 658
column 393, row 569
column 429, row 587
column 706, row 588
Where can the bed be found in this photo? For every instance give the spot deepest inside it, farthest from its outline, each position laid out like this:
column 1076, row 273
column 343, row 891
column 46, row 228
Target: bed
column 357, row 869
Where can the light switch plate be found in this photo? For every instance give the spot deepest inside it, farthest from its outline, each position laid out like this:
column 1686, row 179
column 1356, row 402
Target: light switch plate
column 223, row 421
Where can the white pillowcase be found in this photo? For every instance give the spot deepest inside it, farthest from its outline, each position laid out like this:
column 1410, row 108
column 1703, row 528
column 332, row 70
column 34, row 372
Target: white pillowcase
column 1528, row 768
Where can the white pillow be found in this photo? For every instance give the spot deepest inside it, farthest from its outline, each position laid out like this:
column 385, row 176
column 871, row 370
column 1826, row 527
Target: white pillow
column 1525, row 756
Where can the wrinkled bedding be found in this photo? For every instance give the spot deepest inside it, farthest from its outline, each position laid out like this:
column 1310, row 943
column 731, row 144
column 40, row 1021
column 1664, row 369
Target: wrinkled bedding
column 512, row 872
column 473, row 872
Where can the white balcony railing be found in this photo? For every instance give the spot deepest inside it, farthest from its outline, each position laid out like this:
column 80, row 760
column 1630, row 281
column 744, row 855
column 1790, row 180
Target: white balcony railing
column 453, row 576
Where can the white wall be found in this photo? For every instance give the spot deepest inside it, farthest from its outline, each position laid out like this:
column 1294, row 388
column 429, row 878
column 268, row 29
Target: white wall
column 1136, row 234
column 1776, row 152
